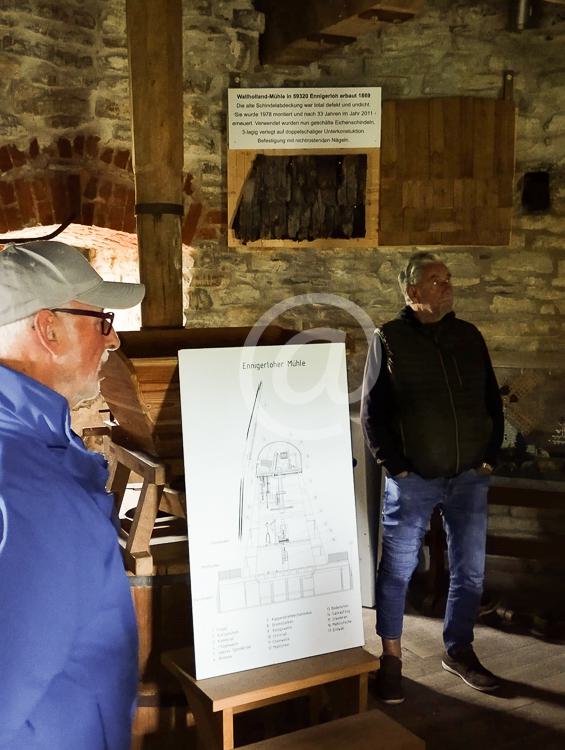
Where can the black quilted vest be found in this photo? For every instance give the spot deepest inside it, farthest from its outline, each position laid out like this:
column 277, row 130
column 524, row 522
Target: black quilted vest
column 438, row 382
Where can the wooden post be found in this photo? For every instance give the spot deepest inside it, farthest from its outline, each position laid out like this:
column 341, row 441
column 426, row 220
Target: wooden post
column 154, row 31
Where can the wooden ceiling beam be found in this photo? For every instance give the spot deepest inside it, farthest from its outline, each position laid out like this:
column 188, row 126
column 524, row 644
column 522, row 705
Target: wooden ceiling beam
column 388, row 15
column 289, row 21
column 289, row 24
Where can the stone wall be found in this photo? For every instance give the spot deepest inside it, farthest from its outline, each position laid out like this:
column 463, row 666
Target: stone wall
column 64, row 74
column 515, row 294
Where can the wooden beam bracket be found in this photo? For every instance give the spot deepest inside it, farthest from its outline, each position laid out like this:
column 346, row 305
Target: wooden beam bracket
column 508, row 85
column 386, row 15
column 330, row 39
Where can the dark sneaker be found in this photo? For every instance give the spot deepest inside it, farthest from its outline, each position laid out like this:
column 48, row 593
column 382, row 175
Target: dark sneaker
column 465, row 664
column 387, row 685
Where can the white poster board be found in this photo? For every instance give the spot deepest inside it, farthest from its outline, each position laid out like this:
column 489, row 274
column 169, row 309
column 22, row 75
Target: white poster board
column 305, row 118
column 272, row 536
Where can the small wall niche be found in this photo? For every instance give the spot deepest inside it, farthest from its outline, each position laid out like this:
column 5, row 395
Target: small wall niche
column 536, row 196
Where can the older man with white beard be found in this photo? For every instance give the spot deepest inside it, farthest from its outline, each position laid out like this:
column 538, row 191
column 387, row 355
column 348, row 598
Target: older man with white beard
column 68, row 661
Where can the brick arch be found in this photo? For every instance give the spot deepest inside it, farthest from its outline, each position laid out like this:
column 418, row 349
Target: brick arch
column 75, row 177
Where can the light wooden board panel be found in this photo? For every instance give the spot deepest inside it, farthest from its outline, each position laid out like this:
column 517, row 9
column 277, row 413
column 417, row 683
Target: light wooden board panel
column 447, row 169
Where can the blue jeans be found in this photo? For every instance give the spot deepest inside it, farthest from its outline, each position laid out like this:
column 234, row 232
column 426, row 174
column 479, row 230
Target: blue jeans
column 407, row 506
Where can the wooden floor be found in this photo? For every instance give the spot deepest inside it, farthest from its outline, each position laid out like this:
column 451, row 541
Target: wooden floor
column 527, row 713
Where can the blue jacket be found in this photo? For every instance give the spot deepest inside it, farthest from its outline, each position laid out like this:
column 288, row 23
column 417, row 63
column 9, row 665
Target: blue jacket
column 68, row 638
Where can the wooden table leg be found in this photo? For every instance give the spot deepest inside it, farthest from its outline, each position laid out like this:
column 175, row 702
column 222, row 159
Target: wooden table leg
column 363, row 691
column 209, row 725
column 226, row 722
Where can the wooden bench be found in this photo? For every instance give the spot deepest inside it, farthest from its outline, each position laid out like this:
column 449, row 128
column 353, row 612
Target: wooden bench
column 366, row 731
column 216, row 700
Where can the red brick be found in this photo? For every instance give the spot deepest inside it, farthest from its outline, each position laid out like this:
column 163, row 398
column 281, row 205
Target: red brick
column 60, row 199
column 34, row 149
column 74, row 193
column 64, row 148
column 92, row 145
column 121, row 158
column 216, row 217
column 45, row 212
column 207, row 233
column 91, row 188
column 105, row 189
column 99, row 215
column 25, row 200
column 116, row 217
column 13, row 218
column 106, row 155
column 120, row 194
column 19, row 158
column 7, row 193
column 78, row 145
column 130, row 223
column 87, row 214
column 5, row 159
column 40, row 188
column 130, row 202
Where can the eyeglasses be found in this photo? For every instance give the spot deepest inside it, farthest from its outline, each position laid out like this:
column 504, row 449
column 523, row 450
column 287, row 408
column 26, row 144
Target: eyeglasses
column 107, row 318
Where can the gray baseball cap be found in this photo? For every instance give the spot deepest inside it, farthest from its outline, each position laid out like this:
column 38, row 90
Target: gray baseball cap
column 44, row 274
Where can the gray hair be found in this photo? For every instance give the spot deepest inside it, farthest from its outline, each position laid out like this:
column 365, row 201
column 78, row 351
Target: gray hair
column 11, row 334
column 413, row 272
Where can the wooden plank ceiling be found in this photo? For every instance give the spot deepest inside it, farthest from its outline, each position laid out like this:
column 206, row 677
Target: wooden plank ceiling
column 298, row 32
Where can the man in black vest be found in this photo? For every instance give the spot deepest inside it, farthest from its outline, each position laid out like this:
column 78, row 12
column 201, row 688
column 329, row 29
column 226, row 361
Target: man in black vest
column 432, row 416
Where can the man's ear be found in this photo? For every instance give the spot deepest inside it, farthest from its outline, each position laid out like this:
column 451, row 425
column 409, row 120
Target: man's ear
column 47, row 331
column 412, row 292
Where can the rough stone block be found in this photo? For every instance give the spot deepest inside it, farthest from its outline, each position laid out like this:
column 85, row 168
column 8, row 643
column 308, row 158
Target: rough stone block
column 512, row 305
column 117, row 60
column 122, row 133
column 197, row 82
column 200, row 299
column 249, row 19
column 522, row 262
column 114, row 41
column 110, row 108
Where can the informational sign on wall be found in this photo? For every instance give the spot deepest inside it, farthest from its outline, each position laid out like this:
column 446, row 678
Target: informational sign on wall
column 273, row 547
column 304, row 118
